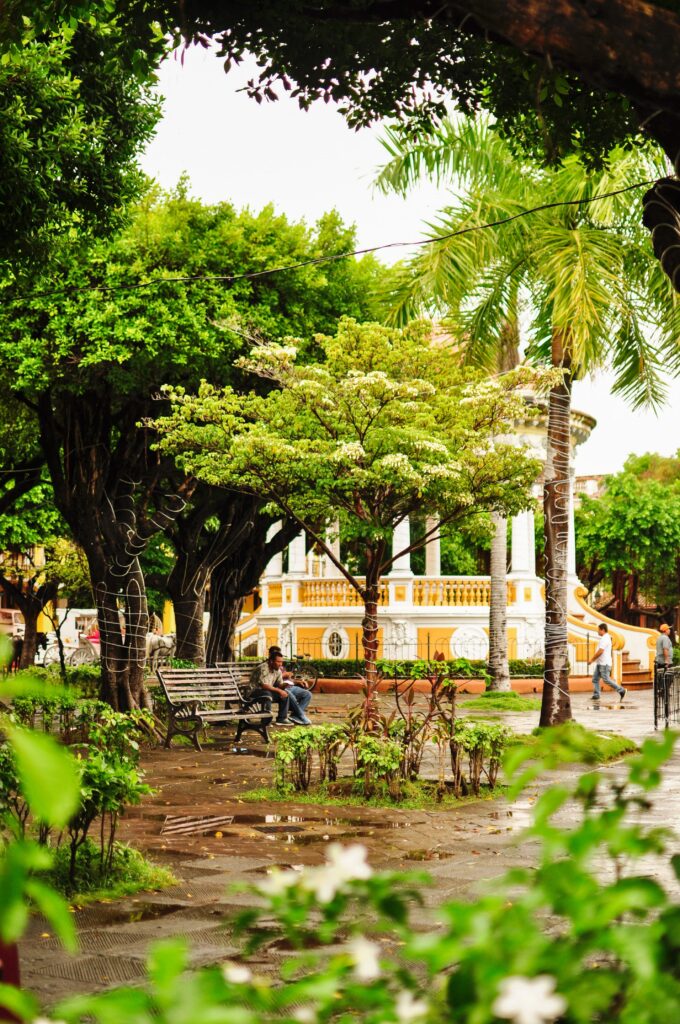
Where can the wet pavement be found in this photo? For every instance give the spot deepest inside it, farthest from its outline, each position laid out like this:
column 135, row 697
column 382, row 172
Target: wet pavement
column 198, row 824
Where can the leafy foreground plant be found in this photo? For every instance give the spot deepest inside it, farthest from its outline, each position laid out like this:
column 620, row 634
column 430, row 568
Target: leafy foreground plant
column 579, row 938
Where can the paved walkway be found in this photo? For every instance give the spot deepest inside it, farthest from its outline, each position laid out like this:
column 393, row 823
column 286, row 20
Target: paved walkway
column 197, row 824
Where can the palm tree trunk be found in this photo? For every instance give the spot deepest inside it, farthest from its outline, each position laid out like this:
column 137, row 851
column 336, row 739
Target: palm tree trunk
column 498, row 610
column 556, row 705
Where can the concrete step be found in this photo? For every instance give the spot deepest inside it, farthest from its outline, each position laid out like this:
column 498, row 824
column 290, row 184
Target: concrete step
column 636, row 677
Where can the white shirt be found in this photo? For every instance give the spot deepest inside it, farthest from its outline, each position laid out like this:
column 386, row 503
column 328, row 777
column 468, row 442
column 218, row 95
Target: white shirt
column 604, row 644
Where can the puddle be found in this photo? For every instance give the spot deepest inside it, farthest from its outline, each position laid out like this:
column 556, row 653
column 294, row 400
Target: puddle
column 288, row 827
column 428, row 855
column 104, row 914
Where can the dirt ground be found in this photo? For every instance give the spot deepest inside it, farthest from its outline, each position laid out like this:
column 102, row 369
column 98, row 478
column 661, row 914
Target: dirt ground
column 197, row 823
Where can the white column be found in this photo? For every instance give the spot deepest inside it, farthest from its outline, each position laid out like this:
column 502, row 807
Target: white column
column 433, row 559
column 297, row 556
column 275, row 564
column 523, row 544
column 401, row 540
column 333, row 541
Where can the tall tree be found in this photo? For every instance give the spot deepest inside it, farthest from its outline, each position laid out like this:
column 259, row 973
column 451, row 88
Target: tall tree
column 27, row 536
column 628, row 539
column 385, row 427
column 590, row 281
column 91, row 356
column 219, row 530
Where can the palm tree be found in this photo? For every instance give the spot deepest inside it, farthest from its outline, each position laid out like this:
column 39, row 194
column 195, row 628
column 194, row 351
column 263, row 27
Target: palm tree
column 585, row 274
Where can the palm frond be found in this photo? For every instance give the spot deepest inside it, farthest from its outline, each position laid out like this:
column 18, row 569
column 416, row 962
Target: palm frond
column 637, row 369
column 458, row 150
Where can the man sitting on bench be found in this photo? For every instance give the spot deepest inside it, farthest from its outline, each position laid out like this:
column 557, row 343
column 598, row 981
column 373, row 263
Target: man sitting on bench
column 267, row 680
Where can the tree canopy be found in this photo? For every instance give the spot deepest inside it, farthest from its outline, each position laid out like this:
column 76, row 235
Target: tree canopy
column 385, row 427
column 557, row 79
column 69, row 144
column 88, row 348
column 628, row 540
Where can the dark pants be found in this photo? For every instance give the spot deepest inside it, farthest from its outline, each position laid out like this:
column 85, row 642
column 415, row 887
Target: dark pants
column 288, row 705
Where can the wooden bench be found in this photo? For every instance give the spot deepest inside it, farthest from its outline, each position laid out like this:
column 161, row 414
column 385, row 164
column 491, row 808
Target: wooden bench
column 198, row 696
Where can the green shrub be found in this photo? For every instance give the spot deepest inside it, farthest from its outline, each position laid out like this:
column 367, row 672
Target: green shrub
column 108, row 784
column 379, row 762
column 128, row 872
column 484, row 744
column 13, row 803
column 83, row 680
column 459, row 668
column 295, row 751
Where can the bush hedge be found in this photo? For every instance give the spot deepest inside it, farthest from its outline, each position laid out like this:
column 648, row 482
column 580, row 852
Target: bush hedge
column 460, row 668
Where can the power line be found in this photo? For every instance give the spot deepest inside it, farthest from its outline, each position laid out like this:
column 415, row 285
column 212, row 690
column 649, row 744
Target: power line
column 254, row 275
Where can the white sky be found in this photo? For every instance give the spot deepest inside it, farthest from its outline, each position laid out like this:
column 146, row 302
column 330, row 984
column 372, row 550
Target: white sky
column 307, row 163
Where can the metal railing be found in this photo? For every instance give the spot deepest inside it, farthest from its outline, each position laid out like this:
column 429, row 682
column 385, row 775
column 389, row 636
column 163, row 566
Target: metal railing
column 666, row 696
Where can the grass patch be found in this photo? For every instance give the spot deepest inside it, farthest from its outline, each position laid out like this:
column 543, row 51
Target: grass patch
column 510, row 701
column 572, row 742
column 130, row 873
column 417, row 796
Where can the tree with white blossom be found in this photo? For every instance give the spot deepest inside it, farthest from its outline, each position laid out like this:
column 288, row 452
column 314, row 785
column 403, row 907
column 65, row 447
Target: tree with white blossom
column 387, row 426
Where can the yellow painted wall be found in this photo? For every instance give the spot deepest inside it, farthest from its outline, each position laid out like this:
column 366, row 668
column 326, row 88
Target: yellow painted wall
column 169, row 625
column 271, row 638
column 308, row 640
column 44, row 624
column 439, row 641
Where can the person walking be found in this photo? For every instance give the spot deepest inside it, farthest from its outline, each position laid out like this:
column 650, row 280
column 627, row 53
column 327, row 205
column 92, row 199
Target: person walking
column 603, row 664
column 266, row 680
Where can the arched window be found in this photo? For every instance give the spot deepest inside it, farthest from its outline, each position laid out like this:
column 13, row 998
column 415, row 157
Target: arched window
column 335, row 645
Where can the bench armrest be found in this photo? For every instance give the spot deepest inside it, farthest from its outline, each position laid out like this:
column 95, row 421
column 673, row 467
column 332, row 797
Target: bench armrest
column 264, row 703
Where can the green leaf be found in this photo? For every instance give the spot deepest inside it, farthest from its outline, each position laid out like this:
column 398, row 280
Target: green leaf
column 49, row 779
column 22, row 1004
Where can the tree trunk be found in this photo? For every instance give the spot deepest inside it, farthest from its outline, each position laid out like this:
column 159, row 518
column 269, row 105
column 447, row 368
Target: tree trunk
column 226, row 605
column 237, row 573
column 190, row 645
column 498, row 610
column 556, row 705
column 106, row 486
column 30, row 612
column 30, row 597
column 123, row 619
column 186, row 586
column 369, row 633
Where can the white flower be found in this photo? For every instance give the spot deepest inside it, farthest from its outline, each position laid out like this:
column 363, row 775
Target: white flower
column 529, row 1000
column 278, row 882
column 305, row 1015
column 408, row 1008
column 47, row 1020
column 351, row 451
column 366, row 957
column 236, row 974
column 349, row 862
column 344, row 864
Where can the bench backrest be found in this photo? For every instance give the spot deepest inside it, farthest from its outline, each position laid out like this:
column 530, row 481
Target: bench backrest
column 181, row 685
column 241, row 671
